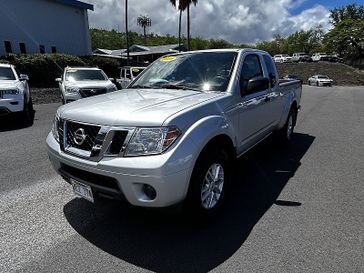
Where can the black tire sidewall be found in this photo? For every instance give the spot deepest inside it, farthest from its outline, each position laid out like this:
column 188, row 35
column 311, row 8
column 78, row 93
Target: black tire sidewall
column 204, row 162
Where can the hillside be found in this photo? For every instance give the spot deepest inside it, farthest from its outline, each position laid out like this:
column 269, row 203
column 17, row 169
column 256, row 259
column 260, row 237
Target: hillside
column 342, row 74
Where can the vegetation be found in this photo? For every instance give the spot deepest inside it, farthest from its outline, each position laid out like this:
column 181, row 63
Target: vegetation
column 144, row 21
column 347, row 35
column 182, row 6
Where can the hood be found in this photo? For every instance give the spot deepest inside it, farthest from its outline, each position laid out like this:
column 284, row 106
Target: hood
column 8, row 84
column 133, row 107
column 89, row 84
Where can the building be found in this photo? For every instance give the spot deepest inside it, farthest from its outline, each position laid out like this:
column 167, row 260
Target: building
column 140, row 54
column 44, row 26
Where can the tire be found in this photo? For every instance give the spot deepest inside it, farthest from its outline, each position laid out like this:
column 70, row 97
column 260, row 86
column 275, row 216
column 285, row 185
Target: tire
column 206, row 193
column 309, row 83
column 285, row 133
column 317, row 84
column 27, row 114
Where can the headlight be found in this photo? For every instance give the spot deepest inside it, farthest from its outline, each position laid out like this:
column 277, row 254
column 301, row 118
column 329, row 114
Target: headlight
column 152, row 141
column 72, row 89
column 11, row 92
column 55, row 128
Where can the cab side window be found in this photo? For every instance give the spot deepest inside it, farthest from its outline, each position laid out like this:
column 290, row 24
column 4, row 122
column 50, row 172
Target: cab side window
column 271, row 71
column 251, row 68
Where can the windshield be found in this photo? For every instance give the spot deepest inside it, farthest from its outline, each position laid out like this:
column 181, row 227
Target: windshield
column 322, row 77
column 84, row 75
column 202, row 71
column 285, row 55
column 7, row 74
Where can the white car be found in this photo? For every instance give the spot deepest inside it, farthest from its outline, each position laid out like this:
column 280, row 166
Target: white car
column 317, row 57
column 82, row 82
column 282, row 58
column 320, row 80
column 14, row 93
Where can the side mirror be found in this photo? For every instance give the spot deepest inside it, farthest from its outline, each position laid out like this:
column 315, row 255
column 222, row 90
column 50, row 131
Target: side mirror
column 256, row 84
column 58, row 79
column 111, row 79
column 23, row 77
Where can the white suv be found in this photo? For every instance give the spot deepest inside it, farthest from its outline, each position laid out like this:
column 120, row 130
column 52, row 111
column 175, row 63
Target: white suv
column 14, row 93
column 82, row 82
column 282, row 58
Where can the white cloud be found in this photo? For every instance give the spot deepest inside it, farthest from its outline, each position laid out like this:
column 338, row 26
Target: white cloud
column 232, row 20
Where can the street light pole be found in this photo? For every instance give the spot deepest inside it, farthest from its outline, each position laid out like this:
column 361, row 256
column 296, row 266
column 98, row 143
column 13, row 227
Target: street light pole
column 127, row 32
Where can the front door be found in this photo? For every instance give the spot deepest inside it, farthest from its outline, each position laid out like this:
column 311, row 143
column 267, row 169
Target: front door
column 254, row 116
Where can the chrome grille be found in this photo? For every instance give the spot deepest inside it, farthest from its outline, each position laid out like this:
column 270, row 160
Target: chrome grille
column 89, row 92
column 81, row 136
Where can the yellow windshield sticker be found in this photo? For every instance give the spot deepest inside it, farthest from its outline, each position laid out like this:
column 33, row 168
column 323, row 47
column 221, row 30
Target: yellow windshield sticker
column 168, row 59
column 135, row 70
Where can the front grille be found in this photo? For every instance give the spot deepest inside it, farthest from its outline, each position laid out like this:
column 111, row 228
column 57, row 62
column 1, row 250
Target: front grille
column 89, row 92
column 81, row 136
column 117, row 142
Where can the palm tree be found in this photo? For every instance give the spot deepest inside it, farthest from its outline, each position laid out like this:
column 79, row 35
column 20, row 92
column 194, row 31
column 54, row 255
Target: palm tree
column 144, row 21
column 183, row 5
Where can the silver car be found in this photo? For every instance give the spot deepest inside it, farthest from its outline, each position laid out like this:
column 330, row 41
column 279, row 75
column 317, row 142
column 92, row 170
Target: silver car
column 320, row 80
column 82, row 82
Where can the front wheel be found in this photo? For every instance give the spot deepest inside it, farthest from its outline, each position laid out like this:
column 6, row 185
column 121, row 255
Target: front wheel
column 209, row 182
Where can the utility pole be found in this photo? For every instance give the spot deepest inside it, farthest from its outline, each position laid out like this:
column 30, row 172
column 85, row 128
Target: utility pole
column 127, row 32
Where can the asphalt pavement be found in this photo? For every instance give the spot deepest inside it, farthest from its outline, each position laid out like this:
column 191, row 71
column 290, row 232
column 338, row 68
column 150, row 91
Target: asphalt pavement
column 298, row 208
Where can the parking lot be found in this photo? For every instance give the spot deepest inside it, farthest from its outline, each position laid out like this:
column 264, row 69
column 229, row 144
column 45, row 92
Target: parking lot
column 297, row 208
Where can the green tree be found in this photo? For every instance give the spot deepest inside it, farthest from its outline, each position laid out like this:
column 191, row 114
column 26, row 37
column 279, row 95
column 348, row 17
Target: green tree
column 182, row 6
column 347, row 36
column 347, row 39
column 352, row 12
column 144, row 21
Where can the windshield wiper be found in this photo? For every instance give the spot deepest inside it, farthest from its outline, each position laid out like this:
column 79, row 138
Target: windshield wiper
column 178, row 87
column 142, row 86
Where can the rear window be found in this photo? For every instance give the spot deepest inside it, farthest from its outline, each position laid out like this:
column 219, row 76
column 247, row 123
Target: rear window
column 7, row 74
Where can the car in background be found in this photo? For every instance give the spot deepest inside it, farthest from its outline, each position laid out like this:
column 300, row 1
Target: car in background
column 128, row 74
column 301, row 57
column 320, row 80
column 15, row 94
column 82, row 82
column 282, row 58
column 319, row 57
column 292, row 77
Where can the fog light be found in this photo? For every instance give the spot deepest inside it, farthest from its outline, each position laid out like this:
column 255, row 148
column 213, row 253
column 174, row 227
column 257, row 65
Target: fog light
column 149, row 191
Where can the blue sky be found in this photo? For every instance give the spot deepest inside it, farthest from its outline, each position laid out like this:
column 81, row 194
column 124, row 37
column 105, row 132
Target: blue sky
column 329, row 4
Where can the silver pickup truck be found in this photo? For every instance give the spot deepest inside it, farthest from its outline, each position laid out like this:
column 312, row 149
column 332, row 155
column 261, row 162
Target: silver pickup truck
column 173, row 134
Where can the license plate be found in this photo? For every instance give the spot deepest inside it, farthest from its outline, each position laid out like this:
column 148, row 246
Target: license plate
column 82, row 190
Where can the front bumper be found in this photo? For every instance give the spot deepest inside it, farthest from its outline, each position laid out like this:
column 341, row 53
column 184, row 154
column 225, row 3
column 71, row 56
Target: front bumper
column 124, row 177
column 325, row 83
column 11, row 104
